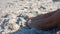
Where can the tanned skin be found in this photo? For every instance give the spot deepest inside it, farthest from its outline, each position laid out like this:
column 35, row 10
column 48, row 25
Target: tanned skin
column 46, row 21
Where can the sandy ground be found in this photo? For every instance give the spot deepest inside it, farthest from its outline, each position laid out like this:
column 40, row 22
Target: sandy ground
column 13, row 15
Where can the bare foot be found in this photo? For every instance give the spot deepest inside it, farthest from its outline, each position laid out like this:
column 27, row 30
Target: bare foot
column 45, row 23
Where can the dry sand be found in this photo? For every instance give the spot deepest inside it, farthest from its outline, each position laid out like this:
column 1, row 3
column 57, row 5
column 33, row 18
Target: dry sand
column 13, row 15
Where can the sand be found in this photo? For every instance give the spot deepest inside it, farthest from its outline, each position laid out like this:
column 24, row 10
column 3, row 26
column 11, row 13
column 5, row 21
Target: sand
column 13, row 15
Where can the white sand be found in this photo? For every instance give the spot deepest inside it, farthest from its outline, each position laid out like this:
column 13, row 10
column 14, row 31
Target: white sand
column 13, row 14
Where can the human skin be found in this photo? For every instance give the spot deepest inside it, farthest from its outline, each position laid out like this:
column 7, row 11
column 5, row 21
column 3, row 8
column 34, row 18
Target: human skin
column 49, row 21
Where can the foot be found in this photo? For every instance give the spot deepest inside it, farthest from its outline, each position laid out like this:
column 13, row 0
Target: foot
column 36, row 22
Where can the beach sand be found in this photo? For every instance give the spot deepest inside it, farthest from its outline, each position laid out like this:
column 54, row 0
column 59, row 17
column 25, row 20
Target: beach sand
column 14, row 15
